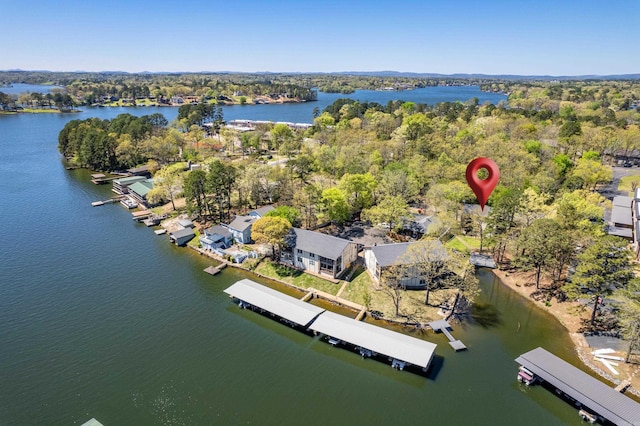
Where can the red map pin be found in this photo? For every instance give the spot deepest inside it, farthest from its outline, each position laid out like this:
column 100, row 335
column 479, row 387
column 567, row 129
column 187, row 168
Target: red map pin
column 483, row 187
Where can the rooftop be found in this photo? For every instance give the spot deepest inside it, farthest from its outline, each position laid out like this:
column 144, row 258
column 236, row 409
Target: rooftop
column 241, row 223
column 392, row 254
column 591, row 392
column 273, row 301
column 321, row 244
column 386, row 342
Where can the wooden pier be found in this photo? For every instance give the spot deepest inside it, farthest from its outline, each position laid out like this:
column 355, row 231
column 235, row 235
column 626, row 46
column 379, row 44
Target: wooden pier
column 102, row 203
column 214, row 270
column 444, row 326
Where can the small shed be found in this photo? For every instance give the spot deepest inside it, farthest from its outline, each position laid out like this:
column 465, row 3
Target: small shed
column 182, row 236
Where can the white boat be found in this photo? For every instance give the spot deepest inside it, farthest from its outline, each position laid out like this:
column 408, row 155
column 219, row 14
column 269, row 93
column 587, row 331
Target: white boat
column 128, row 203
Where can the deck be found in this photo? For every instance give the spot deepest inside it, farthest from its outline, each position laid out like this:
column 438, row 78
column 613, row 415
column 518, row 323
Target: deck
column 444, row 327
column 590, row 393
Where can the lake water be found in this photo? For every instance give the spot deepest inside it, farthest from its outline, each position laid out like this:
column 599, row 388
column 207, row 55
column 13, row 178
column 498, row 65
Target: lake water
column 99, row 317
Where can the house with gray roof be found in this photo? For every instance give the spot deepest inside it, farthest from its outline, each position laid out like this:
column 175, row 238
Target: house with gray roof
column 240, row 228
column 216, row 237
column 381, row 257
column 182, row 236
column 319, row 253
column 261, row 212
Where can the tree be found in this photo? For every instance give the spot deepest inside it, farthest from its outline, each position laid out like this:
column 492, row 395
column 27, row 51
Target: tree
column 629, row 315
column 220, row 182
column 390, row 211
column 602, row 268
column 592, row 172
column 290, row 213
column 359, row 190
column 543, row 244
column 195, row 192
column 280, row 134
column 392, row 286
column 271, row 230
column 335, row 206
column 166, row 184
column 427, row 261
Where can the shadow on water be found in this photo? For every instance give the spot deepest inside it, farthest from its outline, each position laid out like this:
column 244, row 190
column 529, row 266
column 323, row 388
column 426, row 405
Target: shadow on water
column 485, row 315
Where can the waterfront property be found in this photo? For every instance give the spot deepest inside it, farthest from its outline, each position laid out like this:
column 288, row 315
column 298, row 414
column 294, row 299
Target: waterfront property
column 371, row 340
column 182, row 236
column 368, row 339
column 384, row 256
column 622, row 217
column 444, row 327
column 319, row 253
column 240, row 228
column 216, row 237
column 594, row 398
column 121, row 186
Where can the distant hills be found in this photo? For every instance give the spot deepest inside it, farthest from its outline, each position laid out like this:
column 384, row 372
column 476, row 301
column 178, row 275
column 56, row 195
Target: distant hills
column 400, row 74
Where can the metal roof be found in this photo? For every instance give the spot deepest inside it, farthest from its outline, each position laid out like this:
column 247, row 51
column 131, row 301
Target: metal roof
column 386, row 342
column 321, row 244
column 241, row 223
column 621, row 215
column 184, row 232
column 391, row 254
column 273, row 301
column 622, row 201
column 592, row 393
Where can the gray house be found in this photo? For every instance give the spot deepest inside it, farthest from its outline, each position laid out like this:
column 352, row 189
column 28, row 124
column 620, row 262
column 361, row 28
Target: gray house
column 319, row 253
column 384, row 256
column 240, row 228
column 216, row 237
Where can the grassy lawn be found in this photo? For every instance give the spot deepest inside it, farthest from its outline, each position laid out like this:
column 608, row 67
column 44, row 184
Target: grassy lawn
column 465, row 243
column 295, row 277
column 625, row 182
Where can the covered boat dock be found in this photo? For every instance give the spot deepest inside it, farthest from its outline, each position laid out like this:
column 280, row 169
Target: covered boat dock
column 254, row 295
column 589, row 393
column 373, row 340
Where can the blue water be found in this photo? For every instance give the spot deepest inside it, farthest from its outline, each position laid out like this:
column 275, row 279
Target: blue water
column 99, row 317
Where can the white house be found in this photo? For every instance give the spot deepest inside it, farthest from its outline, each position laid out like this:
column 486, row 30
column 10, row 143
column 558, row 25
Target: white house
column 384, row 256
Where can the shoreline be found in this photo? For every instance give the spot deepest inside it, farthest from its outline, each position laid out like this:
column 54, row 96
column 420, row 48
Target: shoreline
column 580, row 345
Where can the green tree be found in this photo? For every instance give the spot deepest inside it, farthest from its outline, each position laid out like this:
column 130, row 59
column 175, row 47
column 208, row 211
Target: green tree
column 592, row 172
column 167, row 184
column 544, row 245
column 271, row 230
column 629, row 315
column 195, row 192
column 359, row 190
column 335, row 205
column 390, row 211
column 602, row 268
column 290, row 213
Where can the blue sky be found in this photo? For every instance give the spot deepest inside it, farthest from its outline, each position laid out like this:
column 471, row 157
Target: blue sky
column 543, row 37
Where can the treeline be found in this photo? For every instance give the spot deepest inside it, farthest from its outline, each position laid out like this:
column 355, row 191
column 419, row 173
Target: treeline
column 121, row 143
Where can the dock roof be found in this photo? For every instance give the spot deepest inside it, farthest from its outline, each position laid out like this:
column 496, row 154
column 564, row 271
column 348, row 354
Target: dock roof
column 574, row 382
column 273, row 301
column 386, row 342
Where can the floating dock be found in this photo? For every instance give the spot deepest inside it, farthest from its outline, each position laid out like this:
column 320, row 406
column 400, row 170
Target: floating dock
column 593, row 397
column 444, row 327
column 368, row 339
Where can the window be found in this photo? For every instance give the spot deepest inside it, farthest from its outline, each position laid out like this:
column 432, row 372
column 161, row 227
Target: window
column 312, row 263
column 312, row 256
column 299, row 259
column 299, row 251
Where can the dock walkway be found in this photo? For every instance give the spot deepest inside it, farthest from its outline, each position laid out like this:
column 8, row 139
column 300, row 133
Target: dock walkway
column 444, row 326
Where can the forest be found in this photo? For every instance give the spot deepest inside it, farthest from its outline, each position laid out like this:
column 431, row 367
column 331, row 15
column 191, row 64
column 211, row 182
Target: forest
column 555, row 144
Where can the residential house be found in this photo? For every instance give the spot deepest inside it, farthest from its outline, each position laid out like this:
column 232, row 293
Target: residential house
column 261, row 212
column 216, row 238
column 240, row 228
column 379, row 258
column 319, row 253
